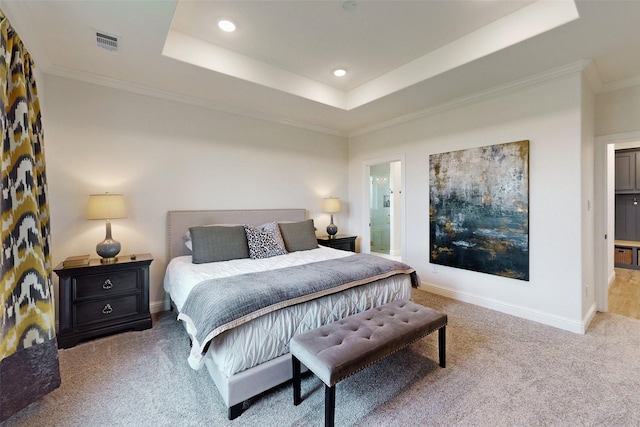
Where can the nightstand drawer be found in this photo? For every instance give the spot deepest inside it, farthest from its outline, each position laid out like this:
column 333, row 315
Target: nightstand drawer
column 342, row 242
column 105, row 284
column 105, row 310
column 344, row 246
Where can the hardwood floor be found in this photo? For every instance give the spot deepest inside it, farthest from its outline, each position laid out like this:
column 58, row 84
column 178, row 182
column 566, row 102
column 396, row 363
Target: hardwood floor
column 624, row 293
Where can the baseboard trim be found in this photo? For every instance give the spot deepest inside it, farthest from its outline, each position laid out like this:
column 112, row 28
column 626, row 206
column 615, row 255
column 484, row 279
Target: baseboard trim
column 513, row 309
column 159, row 306
column 588, row 317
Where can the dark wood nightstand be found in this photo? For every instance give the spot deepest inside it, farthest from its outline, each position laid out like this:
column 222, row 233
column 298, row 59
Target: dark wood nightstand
column 99, row 299
column 339, row 241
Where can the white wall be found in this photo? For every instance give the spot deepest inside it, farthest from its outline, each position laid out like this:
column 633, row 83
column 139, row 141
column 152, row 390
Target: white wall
column 618, row 111
column 164, row 156
column 396, row 211
column 588, row 200
column 549, row 116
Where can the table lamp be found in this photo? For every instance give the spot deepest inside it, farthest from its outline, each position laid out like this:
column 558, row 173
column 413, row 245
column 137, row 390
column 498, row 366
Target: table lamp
column 331, row 205
column 107, row 206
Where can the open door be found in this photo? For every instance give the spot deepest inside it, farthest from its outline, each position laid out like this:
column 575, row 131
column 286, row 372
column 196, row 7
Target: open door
column 385, row 209
column 380, row 208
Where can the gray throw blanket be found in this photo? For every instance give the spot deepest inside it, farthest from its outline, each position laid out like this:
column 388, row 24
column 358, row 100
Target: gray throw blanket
column 217, row 305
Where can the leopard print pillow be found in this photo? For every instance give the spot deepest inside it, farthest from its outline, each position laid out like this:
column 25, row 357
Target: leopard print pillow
column 265, row 241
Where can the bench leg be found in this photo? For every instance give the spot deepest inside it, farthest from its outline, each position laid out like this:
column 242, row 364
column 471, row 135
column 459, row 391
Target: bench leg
column 329, row 405
column 442, row 346
column 296, row 381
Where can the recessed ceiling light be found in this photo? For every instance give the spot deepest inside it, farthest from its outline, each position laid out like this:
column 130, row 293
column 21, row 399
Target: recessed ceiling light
column 349, row 5
column 226, row 25
column 340, row 72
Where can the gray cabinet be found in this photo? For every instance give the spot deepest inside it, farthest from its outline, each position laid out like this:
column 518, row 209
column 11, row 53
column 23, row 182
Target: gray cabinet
column 627, row 171
column 627, row 226
column 626, row 256
column 627, row 216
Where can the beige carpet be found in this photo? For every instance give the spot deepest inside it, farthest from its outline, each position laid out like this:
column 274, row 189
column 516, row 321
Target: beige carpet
column 501, row 371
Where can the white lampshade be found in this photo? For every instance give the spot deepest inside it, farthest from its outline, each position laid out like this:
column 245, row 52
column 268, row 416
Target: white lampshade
column 331, row 205
column 106, row 206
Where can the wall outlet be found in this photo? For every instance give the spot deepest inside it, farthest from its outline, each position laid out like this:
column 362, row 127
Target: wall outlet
column 434, row 269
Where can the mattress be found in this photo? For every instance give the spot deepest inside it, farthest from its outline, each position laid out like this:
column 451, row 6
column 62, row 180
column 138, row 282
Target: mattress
column 268, row 336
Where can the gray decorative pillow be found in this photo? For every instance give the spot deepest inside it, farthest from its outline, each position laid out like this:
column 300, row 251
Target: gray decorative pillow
column 218, row 243
column 265, row 241
column 187, row 234
column 299, row 236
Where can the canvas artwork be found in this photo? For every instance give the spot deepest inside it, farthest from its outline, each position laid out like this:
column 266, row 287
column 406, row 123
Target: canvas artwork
column 479, row 209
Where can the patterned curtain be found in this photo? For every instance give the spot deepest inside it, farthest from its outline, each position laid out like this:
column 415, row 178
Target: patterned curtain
column 29, row 366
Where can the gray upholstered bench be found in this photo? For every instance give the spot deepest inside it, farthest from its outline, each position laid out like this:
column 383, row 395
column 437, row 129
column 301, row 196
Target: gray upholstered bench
column 337, row 350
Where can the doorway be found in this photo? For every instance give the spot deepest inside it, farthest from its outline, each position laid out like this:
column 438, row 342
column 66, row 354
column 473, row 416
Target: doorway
column 385, row 210
column 605, row 213
column 623, row 295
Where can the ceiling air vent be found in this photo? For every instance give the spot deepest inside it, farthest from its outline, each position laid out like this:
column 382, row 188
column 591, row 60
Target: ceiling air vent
column 107, row 41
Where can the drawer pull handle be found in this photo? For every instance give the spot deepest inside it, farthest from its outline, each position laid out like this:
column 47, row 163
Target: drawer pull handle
column 107, row 284
column 107, row 309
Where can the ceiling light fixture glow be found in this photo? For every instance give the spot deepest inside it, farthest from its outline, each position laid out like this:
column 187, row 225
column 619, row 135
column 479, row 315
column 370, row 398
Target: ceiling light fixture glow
column 349, row 5
column 340, row 72
column 226, row 25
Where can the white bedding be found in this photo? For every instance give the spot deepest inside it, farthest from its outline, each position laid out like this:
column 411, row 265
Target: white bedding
column 268, row 337
column 182, row 275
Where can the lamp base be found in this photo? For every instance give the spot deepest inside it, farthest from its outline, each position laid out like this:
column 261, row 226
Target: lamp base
column 108, row 249
column 332, row 229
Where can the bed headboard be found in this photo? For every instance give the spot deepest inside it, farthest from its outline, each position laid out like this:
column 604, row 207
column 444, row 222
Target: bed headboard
column 178, row 222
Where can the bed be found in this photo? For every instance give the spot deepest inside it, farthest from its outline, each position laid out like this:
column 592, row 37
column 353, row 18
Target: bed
column 247, row 354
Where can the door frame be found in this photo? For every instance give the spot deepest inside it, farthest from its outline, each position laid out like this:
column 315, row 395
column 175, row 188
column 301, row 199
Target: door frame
column 604, row 227
column 365, row 242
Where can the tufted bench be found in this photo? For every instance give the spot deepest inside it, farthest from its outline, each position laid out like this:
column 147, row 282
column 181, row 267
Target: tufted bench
column 337, row 350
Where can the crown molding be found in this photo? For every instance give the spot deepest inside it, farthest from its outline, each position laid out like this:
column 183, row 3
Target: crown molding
column 184, row 99
column 560, row 72
column 593, row 77
column 583, row 66
column 620, row 84
column 591, row 71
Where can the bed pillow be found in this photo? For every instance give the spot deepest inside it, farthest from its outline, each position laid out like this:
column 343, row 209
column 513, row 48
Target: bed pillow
column 264, row 241
column 218, row 243
column 187, row 240
column 187, row 235
column 299, row 236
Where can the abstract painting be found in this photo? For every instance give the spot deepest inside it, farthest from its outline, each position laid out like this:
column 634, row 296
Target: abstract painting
column 479, row 209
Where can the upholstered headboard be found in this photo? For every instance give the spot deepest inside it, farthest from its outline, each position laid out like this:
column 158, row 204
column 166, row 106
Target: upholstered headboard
column 178, row 222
